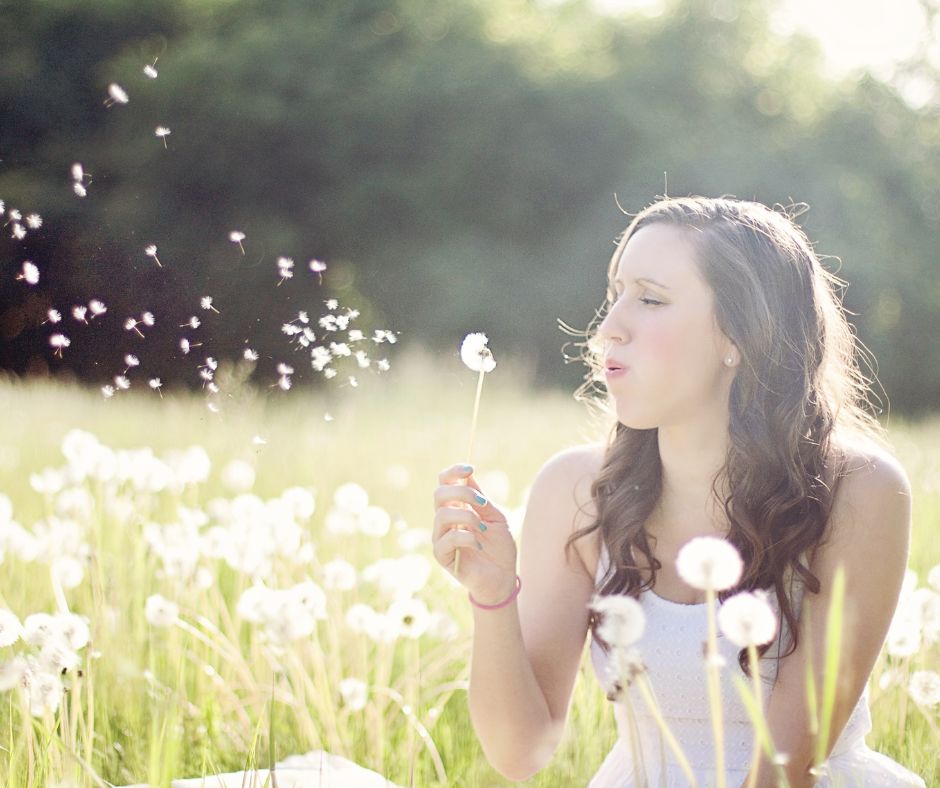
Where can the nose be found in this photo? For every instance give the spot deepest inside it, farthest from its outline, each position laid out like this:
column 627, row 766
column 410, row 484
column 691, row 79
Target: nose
column 612, row 330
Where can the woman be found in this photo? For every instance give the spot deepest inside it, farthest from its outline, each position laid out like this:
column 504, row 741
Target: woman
column 731, row 370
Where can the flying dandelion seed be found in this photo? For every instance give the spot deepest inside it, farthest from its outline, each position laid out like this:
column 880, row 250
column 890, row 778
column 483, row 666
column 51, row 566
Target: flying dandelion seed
column 162, row 132
column 257, row 440
column 151, row 251
column 132, row 361
column 285, row 268
column 80, row 190
column 122, row 382
column 2, row 207
column 54, row 315
column 150, row 70
column 78, row 312
column 131, row 325
column 96, row 308
column 13, row 215
column 193, row 322
column 29, row 273
column 78, row 172
column 250, row 355
column 283, row 382
column 59, row 342
column 19, row 233
column 107, row 391
column 34, row 221
column 329, row 373
column 147, row 318
column 206, row 303
column 318, row 267
column 156, row 385
column 236, row 237
column 383, row 365
column 116, row 95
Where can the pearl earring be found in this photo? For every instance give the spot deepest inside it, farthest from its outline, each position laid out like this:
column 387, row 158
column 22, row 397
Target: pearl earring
column 729, row 361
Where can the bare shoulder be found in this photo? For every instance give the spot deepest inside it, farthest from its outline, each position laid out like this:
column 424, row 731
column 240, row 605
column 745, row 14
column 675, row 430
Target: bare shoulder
column 873, row 496
column 569, row 475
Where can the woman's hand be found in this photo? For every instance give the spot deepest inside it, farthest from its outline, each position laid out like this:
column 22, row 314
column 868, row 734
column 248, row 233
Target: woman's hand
column 488, row 557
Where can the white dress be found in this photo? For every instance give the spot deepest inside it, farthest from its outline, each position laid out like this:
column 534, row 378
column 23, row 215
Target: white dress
column 671, row 648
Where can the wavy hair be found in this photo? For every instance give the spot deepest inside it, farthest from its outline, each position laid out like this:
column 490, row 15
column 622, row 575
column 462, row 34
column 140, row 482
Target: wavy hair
column 797, row 403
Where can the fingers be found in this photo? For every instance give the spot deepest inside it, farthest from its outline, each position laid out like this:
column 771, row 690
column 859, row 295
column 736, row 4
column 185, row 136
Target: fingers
column 457, row 485
column 447, row 518
column 445, row 548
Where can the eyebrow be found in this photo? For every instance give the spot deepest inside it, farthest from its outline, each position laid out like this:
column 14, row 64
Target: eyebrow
column 643, row 279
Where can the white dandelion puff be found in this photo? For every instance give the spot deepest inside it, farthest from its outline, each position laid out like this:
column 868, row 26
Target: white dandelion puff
column 162, row 132
column 151, row 251
column 80, row 190
column 623, row 621
column 156, row 385
column 206, row 303
column 184, row 346
column 150, row 70
column 331, row 303
column 318, row 267
column 147, row 319
column 34, row 221
column 709, row 562
column 747, row 619
column 29, row 273
column 96, row 308
column 116, row 95
column 11, row 629
column 14, row 215
column 236, row 237
column 19, row 233
column 329, row 373
column 160, row 612
column 193, row 322
column 383, row 365
column 283, row 382
column 54, row 315
column 924, row 688
column 285, row 268
column 131, row 360
column 355, row 694
column 121, row 382
column 475, row 353
column 107, row 391
column 250, row 355
column 79, row 312
column 78, row 172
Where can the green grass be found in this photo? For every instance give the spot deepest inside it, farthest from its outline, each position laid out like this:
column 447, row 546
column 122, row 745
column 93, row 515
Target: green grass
column 187, row 720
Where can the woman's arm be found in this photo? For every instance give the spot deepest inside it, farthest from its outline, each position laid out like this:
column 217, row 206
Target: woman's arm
column 526, row 655
column 870, row 536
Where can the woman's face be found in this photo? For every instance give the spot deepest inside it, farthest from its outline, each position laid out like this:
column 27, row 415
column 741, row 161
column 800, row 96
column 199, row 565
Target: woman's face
column 662, row 332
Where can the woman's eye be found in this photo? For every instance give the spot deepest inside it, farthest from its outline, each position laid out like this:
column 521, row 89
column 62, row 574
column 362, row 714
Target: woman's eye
column 652, row 301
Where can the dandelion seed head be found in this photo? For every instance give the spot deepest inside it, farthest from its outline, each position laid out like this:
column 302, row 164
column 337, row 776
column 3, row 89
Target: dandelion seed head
column 15, row 215
column 131, row 360
column 250, row 355
column 236, row 236
column 122, row 382
column 97, row 307
column 117, row 93
column 623, row 620
column 747, row 619
column 206, row 302
column 151, row 251
column 59, row 341
column 54, row 315
column 34, row 221
column 475, row 353
column 924, row 688
column 318, row 267
column 709, row 562
column 184, row 345
column 161, row 131
column 193, row 322
column 160, row 611
column 147, row 318
column 78, row 312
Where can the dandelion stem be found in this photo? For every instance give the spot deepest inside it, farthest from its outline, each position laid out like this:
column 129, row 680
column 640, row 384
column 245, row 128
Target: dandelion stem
column 714, row 693
column 653, row 706
column 473, row 430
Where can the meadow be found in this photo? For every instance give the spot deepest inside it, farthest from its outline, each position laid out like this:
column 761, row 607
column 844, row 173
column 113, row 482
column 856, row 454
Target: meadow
column 258, row 582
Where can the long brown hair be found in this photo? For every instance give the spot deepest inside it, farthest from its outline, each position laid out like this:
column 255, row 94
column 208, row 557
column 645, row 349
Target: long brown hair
column 797, row 403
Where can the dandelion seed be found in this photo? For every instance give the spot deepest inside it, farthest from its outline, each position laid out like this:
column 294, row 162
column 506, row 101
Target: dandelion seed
column 331, row 303
column 212, row 406
column 34, row 220
column 382, row 364
column 340, row 349
column 107, row 391
column 156, row 385
column 29, row 273
column 318, row 267
column 80, row 190
column 54, row 315
column 193, row 322
column 121, row 382
column 96, row 307
column 160, row 612
column 303, row 317
column 78, row 312
column 151, row 251
column 709, row 562
column 285, row 266
column 78, row 172
column 284, row 369
column 184, row 346
column 162, row 132
column 329, row 373
column 131, row 360
column 747, row 619
column 147, row 318
column 131, row 325
column 353, row 382
column 236, row 237
column 362, row 359
column 211, row 363
column 59, row 342
column 206, row 303
column 258, row 441
column 18, row 232
column 924, row 688
column 116, row 95
column 283, row 382
column 2, row 207
column 150, row 69
column 250, row 355
column 13, row 215
column 206, row 374
column 327, row 416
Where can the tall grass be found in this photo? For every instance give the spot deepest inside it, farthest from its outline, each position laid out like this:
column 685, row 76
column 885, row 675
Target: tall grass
column 207, row 696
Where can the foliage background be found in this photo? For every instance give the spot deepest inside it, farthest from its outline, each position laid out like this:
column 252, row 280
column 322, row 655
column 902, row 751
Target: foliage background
column 458, row 165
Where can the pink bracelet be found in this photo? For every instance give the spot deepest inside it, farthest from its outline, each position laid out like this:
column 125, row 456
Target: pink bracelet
column 505, row 602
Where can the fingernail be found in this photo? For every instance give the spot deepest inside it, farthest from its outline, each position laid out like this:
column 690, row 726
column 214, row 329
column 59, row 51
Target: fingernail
column 479, row 498
column 467, row 468
column 482, row 526
column 479, row 545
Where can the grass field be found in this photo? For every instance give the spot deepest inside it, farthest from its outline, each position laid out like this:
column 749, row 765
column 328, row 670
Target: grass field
column 214, row 691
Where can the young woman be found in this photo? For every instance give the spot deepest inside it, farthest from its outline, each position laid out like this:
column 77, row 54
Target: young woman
column 739, row 407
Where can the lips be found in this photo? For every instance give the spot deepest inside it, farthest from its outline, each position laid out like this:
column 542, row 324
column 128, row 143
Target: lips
column 612, row 364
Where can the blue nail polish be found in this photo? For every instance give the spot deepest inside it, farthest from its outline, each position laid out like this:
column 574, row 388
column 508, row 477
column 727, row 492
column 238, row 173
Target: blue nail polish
column 479, row 498
column 479, row 545
column 482, row 526
column 467, row 468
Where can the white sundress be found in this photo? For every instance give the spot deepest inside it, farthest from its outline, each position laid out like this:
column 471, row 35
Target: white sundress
column 671, row 648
